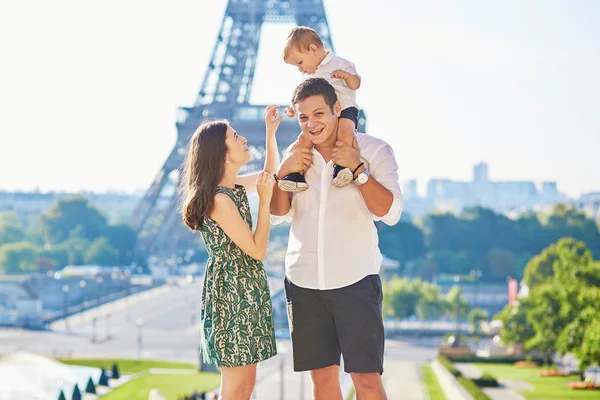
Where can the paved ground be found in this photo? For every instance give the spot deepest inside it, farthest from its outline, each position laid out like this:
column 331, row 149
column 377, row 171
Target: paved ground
column 170, row 332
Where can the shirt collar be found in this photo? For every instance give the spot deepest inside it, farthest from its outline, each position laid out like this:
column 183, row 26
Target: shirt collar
column 327, row 58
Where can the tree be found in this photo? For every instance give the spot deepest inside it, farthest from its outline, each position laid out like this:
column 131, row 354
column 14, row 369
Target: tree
column 101, row 253
column 502, row 262
column 458, row 307
column 546, row 319
column 589, row 352
column 76, row 249
column 73, row 215
column 19, row 257
column 401, row 297
column 430, row 304
column 476, row 317
column 401, row 242
column 516, row 327
column 569, row 221
column 542, row 267
column 123, row 239
column 11, row 229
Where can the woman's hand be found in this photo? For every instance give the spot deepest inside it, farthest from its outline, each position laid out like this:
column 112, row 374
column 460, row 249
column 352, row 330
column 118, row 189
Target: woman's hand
column 264, row 186
column 272, row 120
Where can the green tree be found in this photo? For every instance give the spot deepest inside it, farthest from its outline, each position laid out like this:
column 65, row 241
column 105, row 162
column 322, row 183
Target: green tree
column 11, row 230
column 516, row 327
column 541, row 268
column 73, row 217
column 458, row 307
column 75, row 248
column 430, row 304
column 101, row 253
column 546, row 318
column 122, row 238
column 402, row 242
column 569, row 221
column 19, row 257
column 502, row 262
column 589, row 352
column 401, row 297
column 476, row 317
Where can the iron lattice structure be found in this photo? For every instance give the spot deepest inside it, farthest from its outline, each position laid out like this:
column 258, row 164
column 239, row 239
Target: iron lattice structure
column 224, row 93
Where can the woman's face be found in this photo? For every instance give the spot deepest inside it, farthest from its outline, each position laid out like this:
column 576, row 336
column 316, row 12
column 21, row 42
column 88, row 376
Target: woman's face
column 237, row 150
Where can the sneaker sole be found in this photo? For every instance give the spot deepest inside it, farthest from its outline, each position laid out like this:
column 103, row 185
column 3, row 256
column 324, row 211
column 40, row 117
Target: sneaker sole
column 292, row 187
column 343, row 178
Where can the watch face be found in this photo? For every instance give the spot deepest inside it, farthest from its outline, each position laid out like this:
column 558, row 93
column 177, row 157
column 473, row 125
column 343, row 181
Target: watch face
column 362, row 178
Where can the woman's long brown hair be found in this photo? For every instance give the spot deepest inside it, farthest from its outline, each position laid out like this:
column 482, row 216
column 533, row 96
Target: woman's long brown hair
column 203, row 169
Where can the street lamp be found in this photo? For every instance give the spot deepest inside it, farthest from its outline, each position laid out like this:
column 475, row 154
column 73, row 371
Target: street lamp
column 82, row 285
column 99, row 281
column 139, row 323
column 65, row 290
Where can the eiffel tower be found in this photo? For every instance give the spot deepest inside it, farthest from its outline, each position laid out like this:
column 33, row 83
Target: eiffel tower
column 225, row 93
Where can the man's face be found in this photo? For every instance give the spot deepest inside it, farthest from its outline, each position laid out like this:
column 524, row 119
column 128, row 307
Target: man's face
column 317, row 120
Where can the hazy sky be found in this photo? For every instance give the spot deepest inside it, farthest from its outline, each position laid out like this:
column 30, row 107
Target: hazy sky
column 89, row 89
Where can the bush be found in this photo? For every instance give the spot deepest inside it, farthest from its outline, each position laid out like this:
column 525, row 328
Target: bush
column 448, row 365
column 473, row 389
column 486, row 380
column 469, row 385
column 494, row 360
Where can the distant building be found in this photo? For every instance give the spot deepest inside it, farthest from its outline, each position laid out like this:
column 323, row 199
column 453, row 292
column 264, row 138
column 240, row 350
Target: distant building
column 508, row 196
column 409, row 189
column 480, row 172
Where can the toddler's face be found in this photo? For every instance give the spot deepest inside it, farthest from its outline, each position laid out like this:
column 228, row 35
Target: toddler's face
column 306, row 61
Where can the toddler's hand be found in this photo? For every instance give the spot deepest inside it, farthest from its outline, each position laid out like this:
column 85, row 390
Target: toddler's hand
column 339, row 74
column 290, row 111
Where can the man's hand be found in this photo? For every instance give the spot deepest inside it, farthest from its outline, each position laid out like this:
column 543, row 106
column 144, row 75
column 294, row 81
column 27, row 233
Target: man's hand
column 346, row 155
column 296, row 161
column 339, row 74
column 290, row 111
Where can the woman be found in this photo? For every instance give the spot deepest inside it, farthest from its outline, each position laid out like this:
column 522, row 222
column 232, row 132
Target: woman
column 236, row 316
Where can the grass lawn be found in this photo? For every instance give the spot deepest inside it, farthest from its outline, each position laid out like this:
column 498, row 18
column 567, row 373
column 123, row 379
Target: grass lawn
column 172, row 386
column 431, row 382
column 127, row 366
column 546, row 388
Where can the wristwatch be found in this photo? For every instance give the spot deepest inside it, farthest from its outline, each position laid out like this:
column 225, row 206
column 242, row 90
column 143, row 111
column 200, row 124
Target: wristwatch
column 362, row 178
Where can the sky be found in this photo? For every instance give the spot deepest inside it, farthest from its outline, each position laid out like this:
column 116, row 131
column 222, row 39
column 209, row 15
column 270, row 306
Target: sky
column 89, row 90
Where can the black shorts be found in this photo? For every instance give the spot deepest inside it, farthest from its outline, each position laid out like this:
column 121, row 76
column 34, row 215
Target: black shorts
column 351, row 113
column 325, row 324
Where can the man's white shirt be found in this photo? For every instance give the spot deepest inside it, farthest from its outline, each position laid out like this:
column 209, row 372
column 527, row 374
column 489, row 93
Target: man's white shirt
column 333, row 240
column 346, row 96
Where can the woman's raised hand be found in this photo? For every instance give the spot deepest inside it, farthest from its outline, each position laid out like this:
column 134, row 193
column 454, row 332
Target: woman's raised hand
column 272, row 119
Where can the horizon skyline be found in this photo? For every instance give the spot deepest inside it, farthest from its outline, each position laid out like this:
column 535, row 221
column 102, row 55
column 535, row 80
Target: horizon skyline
column 449, row 85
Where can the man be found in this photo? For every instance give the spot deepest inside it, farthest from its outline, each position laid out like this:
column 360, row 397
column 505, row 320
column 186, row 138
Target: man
column 332, row 280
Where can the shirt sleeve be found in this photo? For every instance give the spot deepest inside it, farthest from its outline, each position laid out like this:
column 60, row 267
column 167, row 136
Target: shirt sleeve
column 384, row 169
column 351, row 68
column 278, row 219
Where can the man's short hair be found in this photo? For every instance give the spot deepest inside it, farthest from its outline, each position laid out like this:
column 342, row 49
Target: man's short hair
column 315, row 87
column 300, row 38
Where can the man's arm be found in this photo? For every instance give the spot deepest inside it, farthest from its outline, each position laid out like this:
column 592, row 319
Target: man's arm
column 297, row 160
column 381, row 192
column 281, row 202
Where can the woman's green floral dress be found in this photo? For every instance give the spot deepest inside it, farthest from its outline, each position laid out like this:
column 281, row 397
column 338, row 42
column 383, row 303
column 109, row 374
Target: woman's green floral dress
column 236, row 315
